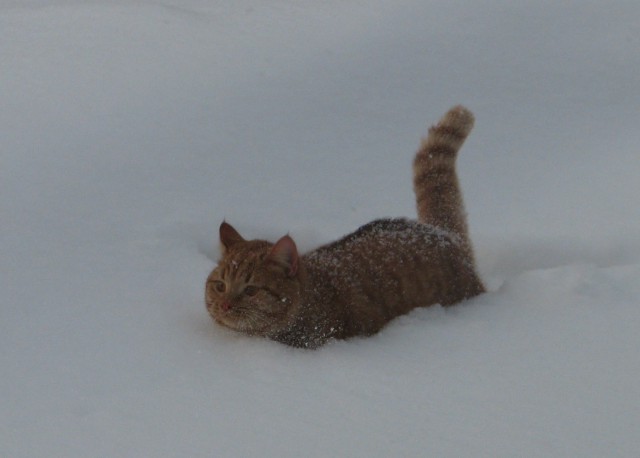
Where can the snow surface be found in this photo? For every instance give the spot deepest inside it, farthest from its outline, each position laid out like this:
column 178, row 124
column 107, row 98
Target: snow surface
column 130, row 129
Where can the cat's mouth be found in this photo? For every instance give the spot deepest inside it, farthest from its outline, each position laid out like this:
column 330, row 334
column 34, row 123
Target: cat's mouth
column 223, row 319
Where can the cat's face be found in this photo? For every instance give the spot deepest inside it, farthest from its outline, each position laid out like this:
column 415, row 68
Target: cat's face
column 253, row 289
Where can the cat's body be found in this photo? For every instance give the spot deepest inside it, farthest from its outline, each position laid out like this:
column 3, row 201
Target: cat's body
column 354, row 286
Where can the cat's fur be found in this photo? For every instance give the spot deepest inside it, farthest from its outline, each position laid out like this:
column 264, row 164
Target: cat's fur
column 354, row 286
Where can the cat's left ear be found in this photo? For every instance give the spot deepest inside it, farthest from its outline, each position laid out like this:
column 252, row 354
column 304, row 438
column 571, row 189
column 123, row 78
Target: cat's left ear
column 285, row 254
column 228, row 235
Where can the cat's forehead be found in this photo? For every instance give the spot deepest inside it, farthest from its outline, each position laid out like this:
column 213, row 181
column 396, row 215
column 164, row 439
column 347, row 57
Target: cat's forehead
column 240, row 260
column 232, row 265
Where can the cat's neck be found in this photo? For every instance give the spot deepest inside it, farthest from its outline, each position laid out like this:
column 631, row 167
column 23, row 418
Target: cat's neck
column 317, row 316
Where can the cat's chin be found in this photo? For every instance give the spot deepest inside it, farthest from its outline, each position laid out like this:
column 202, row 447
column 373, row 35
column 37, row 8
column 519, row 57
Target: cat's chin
column 239, row 326
column 228, row 323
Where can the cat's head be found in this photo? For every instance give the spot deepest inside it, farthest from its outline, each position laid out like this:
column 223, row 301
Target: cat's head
column 256, row 286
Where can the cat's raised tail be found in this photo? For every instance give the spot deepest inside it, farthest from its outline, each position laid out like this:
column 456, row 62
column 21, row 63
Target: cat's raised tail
column 435, row 182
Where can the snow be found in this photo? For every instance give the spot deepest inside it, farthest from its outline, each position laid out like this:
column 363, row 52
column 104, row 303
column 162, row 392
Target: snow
column 129, row 130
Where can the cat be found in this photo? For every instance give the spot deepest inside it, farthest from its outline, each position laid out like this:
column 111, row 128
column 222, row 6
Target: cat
column 354, row 286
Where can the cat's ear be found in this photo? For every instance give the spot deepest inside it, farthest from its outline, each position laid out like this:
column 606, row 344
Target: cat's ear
column 285, row 254
column 228, row 235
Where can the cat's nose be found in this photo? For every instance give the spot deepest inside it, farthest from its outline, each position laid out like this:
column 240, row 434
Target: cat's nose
column 226, row 306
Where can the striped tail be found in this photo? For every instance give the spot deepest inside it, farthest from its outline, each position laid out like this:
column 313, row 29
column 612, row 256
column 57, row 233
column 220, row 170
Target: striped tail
column 435, row 182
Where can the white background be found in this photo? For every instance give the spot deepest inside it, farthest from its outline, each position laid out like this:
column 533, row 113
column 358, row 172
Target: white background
column 130, row 129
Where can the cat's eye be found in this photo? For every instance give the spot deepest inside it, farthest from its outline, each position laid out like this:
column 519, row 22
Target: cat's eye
column 219, row 286
column 251, row 291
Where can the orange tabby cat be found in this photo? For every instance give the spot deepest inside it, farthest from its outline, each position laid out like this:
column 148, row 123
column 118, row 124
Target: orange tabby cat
column 354, row 286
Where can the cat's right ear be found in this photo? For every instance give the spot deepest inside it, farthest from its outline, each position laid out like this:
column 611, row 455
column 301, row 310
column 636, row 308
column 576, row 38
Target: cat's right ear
column 229, row 236
column 285, row 254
